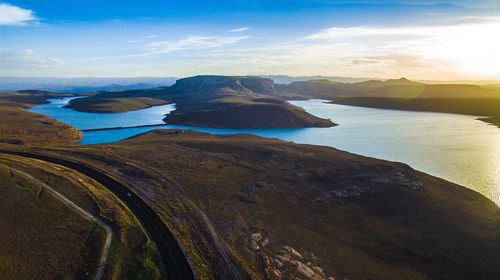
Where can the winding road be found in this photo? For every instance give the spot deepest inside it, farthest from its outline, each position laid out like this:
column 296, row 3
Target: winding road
column 173, row 257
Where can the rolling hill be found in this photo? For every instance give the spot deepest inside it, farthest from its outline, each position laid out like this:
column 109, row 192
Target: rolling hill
column 284, row 210
column 404, row 94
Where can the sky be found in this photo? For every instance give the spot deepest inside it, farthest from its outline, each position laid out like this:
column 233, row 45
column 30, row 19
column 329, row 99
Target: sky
column 431, row 40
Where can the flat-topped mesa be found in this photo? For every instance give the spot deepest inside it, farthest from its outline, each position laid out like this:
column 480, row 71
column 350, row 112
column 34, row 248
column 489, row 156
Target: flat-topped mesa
column 209, row 83
column 211, row 101
column 235, row 102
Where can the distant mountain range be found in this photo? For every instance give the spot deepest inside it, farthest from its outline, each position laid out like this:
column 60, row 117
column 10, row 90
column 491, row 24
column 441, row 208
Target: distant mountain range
column 81, row 85
column 94, row 84
column 284, row 79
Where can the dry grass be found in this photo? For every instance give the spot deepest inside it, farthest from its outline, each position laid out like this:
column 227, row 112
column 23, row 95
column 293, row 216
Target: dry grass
column 110, row 105
column 41, row 237
column 24, row 128
column 130, row 255
column 418, row 227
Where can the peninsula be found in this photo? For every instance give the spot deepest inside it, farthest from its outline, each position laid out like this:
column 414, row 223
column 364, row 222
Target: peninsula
column 212, row 101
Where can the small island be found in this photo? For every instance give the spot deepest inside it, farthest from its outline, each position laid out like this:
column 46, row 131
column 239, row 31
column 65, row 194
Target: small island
column 112, row 105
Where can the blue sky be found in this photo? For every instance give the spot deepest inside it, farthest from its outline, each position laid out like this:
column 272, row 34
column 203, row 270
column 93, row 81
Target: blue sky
column 417, row 39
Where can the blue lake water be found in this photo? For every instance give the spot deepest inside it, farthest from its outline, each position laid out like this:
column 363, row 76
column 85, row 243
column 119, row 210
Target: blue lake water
column 455, row 147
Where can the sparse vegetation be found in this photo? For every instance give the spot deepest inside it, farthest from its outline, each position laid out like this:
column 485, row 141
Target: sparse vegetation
column 41, row 237
column 129, row 240
column 20, row 127
column 280, row 209
column 213, row 101
column 403, row 94
column 351, row 216
column 113, row 105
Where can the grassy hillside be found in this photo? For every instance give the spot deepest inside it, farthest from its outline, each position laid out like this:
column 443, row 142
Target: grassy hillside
column 24, row 128
column 247, row 113
column 27, row 98
column 288, row 210
column 400, row 88
column 113, row 105
column 405, row 95
column 470, row 106
column 214, row 101
column 42, row 238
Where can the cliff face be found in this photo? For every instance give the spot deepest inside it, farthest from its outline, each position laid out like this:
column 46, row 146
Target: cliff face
column 235, row 102
column 212, row 101
column 213, row 83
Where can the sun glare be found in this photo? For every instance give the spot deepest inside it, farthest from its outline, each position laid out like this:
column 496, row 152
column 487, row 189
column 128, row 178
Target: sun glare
column 472, row 49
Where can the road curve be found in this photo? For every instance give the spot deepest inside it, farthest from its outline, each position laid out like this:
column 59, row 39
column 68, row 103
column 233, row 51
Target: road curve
column 173, row 257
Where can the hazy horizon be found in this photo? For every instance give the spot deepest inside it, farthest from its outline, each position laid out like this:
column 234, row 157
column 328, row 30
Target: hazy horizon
column 16, row 83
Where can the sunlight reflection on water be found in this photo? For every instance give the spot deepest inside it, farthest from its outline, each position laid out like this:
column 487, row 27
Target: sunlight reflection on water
column 455, row 147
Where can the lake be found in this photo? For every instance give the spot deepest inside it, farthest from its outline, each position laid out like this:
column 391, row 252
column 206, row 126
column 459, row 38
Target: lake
column 458, row 148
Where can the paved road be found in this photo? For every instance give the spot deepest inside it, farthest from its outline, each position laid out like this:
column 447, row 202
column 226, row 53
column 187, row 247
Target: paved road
column 236, row 274
column 171, row 254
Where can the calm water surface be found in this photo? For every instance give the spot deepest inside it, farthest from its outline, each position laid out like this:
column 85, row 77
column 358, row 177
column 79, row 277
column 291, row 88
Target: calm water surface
column 458, row 148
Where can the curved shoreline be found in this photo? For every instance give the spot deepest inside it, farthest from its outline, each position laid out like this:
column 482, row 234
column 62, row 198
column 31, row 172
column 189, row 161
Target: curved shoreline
column 122, row 127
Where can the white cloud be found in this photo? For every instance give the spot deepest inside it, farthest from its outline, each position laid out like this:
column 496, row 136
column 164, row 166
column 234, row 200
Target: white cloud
column 337, row 33
column 152, row 36
column 453, row 51
column 193, row 43
column 13, row 15
column 241, row 29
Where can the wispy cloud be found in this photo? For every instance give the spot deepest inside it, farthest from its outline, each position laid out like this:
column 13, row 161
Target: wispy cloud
column 403, row 60
column 25, row 58
column 13, row 15
column 452, row 51
column 53, row 61
column 193, row 43
column 467, row 47
column 241, row 29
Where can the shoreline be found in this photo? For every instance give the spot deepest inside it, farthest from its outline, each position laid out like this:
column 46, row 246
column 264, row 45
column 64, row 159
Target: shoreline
column 159, row 125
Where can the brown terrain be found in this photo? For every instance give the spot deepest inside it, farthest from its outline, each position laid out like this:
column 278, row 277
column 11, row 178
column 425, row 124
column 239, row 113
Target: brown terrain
column 212, row 101
column 284, row 210
column 247, row 207
column 403, row 94
column 43, row 238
